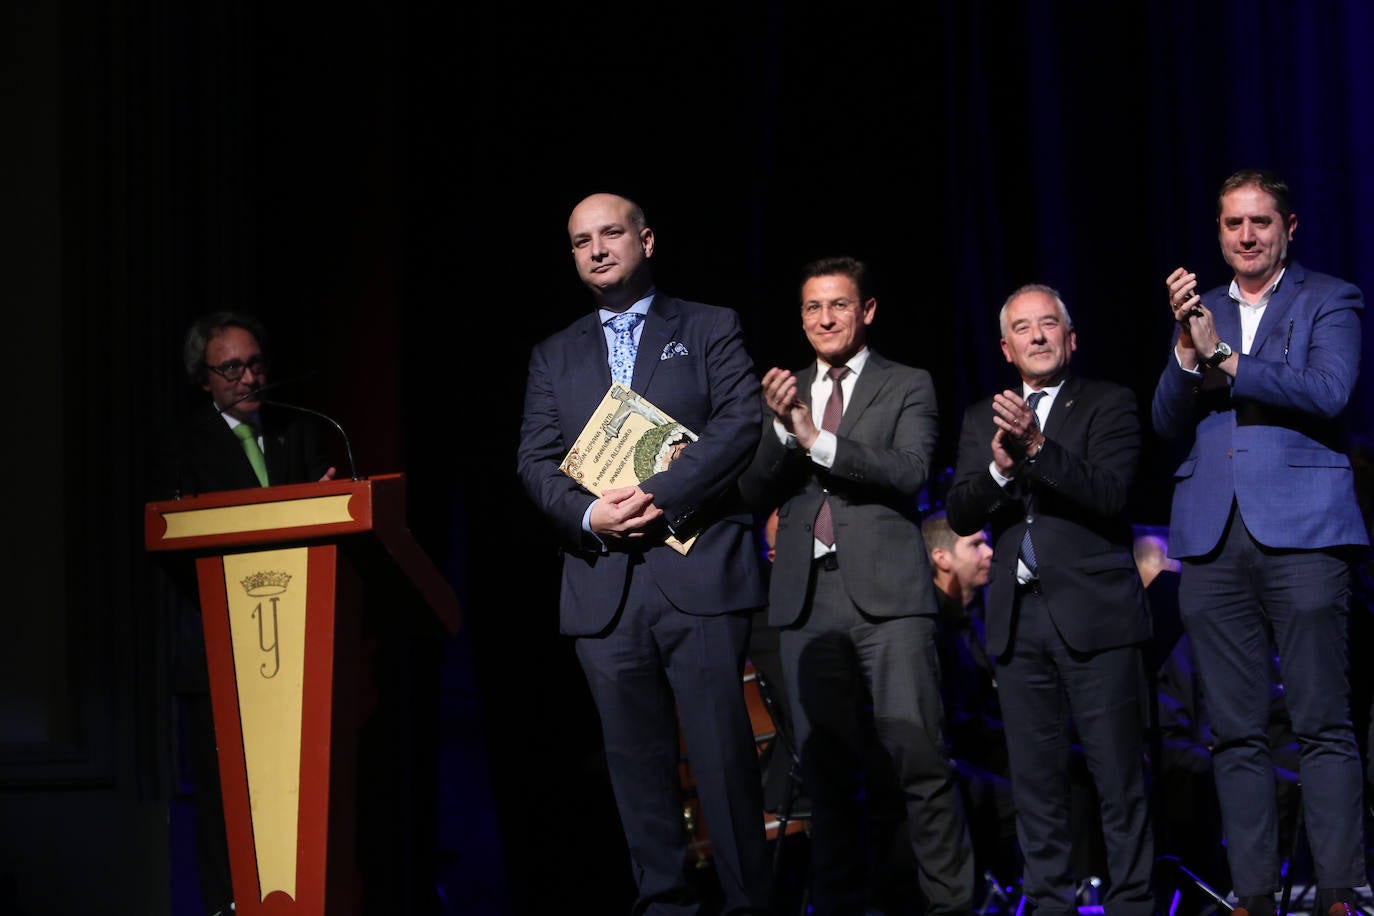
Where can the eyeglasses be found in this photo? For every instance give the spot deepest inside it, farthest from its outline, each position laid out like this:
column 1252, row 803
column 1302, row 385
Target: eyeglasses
column 233, row 369
column 838, row 306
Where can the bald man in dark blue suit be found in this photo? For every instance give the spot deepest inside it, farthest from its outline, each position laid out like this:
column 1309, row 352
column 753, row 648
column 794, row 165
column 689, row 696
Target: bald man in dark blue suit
column 656, row 630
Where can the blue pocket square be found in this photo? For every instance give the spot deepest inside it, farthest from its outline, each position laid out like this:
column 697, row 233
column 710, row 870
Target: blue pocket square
column 671, row 349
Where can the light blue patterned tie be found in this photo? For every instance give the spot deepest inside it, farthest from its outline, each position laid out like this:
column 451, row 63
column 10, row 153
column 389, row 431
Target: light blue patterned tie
column 1027, row 548
column 623, row 346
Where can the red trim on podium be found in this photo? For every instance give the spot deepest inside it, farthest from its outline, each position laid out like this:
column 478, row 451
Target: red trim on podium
column 215, row 525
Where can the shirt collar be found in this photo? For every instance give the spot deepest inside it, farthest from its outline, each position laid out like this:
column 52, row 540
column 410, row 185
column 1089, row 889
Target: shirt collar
column 1051, row 391
column 855, row 363
column 1265, row 296
column 235, row 421
column 640, row 308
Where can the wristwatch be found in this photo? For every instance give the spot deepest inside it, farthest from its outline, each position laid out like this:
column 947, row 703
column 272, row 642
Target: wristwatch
column 1218, row 356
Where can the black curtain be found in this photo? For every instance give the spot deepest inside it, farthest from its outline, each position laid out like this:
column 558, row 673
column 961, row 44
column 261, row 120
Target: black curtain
column 387, row 186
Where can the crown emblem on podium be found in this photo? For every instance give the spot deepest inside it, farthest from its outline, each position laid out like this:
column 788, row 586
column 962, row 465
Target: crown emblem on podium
column 266, row 582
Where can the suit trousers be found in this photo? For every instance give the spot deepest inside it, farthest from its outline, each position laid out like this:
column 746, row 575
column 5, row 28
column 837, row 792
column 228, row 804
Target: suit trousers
column 655, row 666
column 838, row 663
column 1231, row 601
column 1049, row 693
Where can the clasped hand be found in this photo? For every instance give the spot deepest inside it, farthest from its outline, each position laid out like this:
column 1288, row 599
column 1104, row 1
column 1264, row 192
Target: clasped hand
column 1018, row 432
column 1197, row 332
column 624, row 512
column 794, row 413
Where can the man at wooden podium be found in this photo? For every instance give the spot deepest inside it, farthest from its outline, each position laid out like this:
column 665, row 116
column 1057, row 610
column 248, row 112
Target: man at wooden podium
column 213, row 449
column 230, row 440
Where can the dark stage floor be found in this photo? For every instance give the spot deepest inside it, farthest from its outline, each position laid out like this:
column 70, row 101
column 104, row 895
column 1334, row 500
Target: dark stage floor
column 571, row 857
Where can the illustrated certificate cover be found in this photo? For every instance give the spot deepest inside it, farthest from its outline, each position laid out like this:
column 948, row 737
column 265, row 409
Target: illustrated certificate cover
column 626, row 441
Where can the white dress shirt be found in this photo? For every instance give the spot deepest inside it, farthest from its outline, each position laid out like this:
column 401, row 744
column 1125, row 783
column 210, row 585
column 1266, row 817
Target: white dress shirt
column 1042, row 410
column 822, row 451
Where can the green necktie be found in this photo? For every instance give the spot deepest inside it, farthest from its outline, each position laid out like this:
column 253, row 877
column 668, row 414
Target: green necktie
column 249, row 437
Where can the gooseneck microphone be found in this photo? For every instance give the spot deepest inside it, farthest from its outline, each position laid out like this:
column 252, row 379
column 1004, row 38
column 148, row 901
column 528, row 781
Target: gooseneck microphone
column 256, row 393
column 348, row 446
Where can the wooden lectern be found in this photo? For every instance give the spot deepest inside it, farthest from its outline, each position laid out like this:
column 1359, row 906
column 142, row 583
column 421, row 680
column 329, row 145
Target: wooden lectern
column 296, row 584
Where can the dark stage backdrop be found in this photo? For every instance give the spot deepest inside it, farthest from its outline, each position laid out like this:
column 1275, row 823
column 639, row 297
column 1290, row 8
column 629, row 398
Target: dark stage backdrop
column 387, row 185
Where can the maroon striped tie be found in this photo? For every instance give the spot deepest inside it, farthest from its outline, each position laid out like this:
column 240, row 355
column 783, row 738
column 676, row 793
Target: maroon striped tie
column 834, row 409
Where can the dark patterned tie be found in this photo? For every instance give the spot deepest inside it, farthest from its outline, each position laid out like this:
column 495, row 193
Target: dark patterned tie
column 830, row 421
column 623, row 346
column 1027, row 548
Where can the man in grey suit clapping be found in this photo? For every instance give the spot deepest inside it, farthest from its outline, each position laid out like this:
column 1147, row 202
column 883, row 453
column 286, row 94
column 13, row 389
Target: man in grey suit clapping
column 845, row 449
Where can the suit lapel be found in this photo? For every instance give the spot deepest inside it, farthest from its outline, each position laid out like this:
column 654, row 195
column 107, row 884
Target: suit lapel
column 866, row 388
column 1062, row 406
column 222, row 453
column 1227, row 321
column 660, row 328
column 1278, row 309
column 588, row 383
column 274, row 444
